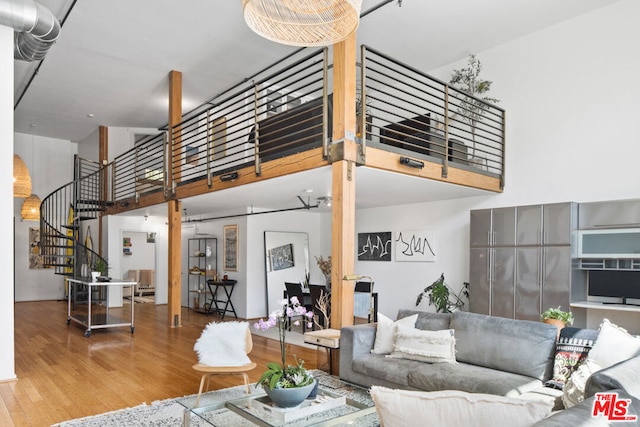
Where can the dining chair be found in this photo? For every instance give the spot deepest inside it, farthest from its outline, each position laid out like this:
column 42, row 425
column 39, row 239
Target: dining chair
column 295, row 290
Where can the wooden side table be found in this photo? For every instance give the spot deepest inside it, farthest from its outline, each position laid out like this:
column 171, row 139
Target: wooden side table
column 326, row 338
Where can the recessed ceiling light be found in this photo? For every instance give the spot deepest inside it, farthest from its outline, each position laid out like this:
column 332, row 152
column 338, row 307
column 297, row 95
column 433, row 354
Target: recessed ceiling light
column 91, row 115
column 308, row 190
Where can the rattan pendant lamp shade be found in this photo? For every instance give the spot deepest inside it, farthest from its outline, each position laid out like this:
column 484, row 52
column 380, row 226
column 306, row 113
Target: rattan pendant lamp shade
column 31, row 208
column 303, row 22
column 21, row 178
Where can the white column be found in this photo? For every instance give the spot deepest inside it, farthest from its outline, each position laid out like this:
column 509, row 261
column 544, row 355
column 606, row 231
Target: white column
column 7, row 355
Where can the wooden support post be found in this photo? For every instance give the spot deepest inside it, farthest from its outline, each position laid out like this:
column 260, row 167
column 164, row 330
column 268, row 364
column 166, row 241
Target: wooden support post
column 343, row 182
column 175, row 262
column 175, row 117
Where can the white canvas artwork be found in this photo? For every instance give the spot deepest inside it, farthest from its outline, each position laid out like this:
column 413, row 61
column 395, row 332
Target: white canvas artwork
column 416, row 245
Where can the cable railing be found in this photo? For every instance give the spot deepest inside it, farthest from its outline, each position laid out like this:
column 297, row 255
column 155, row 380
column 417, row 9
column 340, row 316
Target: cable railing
column 141, row 170
column 408, row 111
column 283, row 111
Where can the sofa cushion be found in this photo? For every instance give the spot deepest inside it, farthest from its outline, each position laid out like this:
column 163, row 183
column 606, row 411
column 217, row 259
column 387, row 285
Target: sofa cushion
column 572, row 349
column 424, row 346
column 378, row 366
column 454, row 408
column 573, row 392
column 428, row 321
column 519, row 346
column 470, row 378
column 614, row 344
column 385, row 332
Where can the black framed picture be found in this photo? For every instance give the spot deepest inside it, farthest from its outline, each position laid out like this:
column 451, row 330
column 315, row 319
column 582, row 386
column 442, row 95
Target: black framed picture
column 281, row 257
column 374, row 246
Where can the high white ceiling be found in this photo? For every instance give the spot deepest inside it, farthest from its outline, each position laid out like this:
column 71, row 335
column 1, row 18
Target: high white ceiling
column 113, row 57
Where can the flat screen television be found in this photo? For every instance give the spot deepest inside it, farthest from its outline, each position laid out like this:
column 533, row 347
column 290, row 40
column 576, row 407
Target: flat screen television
column 615, row 284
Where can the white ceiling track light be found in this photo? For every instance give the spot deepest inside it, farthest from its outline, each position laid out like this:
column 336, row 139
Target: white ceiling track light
column 303, row 22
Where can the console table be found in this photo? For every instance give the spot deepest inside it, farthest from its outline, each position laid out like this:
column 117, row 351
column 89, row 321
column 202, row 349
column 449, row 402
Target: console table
column 327, row 338
column 227, row 286
column 98, row 317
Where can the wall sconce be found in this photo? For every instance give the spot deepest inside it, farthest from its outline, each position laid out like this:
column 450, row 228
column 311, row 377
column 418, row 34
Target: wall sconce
column 324, row 199
column 411, row 163
column 357, row 277
column 229, row 177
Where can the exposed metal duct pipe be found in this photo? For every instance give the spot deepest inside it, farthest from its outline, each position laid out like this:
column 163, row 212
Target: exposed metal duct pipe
column 36, row 28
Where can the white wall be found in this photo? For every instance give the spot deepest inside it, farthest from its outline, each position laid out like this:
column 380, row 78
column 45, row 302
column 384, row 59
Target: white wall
column 7, row 365
column 50, row 163
column 572, row 103
column 115, row 227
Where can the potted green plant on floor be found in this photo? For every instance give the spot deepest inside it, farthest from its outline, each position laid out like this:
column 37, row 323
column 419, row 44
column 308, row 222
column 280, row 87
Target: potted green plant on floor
column 443, row 297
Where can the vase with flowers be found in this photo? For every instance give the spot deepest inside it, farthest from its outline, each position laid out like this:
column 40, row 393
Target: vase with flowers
column 286, row 385
column 325, row 267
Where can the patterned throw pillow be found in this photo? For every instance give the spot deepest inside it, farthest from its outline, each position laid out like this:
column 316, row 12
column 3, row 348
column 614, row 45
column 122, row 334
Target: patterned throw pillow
column 572, row 349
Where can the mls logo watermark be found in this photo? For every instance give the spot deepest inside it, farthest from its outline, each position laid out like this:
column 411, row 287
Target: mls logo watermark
column 612, row 408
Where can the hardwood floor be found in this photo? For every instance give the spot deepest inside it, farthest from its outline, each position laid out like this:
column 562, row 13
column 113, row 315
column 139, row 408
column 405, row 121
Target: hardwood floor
column 63, row 375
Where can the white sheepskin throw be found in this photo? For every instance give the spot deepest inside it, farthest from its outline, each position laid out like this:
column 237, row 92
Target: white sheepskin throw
column 223, row 344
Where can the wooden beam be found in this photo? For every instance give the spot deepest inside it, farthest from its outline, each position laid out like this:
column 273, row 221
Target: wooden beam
column 175, row 262
column 343, row 182
column 175, row 117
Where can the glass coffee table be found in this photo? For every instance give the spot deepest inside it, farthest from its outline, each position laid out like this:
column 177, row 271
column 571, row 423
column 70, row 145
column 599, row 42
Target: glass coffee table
column 337, row 403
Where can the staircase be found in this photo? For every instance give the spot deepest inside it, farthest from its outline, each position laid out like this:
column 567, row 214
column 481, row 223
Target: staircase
column 61, row 216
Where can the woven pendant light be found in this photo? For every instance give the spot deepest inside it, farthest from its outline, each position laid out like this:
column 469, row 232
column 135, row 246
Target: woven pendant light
column 31, row 208
column 21, row 178
column 303, row 22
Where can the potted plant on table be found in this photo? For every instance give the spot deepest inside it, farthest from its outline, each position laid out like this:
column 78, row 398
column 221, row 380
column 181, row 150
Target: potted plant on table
column 442, row 296
column 286, row 385
column 558, row 317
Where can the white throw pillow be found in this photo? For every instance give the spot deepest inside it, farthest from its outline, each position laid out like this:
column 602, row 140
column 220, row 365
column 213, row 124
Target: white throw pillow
column 424, row 346
column 386, row 329
column 223, row 344
column 614, row 344
column 573, row 391
column 455, row 408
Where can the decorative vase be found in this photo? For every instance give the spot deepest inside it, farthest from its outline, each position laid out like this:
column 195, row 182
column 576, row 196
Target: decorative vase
column 328, row 281
column 557, row 323
column 95, row 275
column 289, row 397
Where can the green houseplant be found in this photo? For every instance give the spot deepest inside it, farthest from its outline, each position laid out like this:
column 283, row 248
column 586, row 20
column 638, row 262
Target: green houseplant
column 472, row 105
column 443, row 297
column 558, row 315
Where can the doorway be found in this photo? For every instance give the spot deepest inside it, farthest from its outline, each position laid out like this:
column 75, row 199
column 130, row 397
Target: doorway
column 138, row 262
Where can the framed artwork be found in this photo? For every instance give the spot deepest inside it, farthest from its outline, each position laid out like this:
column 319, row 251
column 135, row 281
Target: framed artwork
column 416, row 245
column 230, row 247
column 35, row 258
column 374, row 246
column 281, row 257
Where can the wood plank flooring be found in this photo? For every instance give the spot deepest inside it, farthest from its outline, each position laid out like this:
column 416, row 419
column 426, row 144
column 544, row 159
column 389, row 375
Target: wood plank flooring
column 63, row 375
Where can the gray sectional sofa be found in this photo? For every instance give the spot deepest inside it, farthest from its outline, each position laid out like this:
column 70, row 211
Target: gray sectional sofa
column 494, row 355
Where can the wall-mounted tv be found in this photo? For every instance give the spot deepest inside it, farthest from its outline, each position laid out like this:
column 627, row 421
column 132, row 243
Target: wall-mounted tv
column 615, row 284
